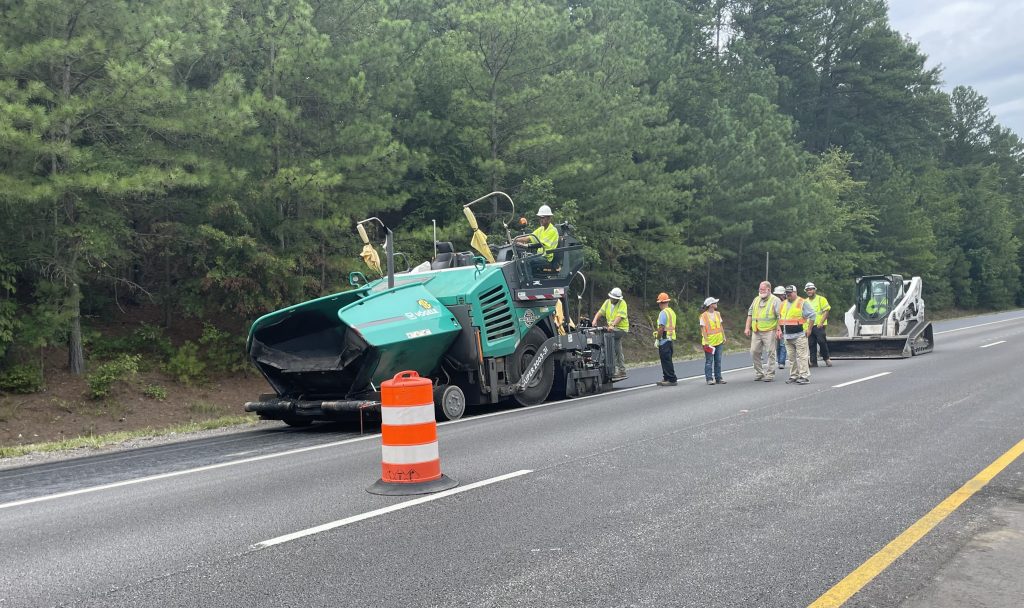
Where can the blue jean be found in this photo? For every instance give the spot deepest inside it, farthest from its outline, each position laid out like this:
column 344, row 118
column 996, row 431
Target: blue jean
column 781, row 355
column 713, row 359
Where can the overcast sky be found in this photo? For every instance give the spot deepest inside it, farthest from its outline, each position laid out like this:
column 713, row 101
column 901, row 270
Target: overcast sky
column 977, row 42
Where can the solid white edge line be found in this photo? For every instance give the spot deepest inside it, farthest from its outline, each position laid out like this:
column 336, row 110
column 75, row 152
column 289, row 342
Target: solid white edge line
column 993, row 344
column 949, row 331
column 861, row 380
column 231, row 463
column 383, row 511
column 618, row 391
column 211, row 467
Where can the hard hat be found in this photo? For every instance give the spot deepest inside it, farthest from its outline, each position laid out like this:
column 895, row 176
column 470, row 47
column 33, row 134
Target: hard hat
column 780, row 291
column 790, row 288
column 809, row 286
column 709, row 301
column 615, row 293
column 662, row 297
column 544, row 211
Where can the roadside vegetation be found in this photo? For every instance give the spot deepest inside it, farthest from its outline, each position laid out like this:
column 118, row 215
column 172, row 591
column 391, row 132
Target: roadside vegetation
column 171, row 171
column 108, row 439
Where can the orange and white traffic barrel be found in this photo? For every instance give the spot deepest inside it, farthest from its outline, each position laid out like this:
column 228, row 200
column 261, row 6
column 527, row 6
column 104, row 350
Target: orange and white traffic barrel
column 410, row 460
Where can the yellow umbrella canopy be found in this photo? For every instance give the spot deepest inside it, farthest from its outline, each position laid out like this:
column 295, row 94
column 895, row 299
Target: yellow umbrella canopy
column 479, row 240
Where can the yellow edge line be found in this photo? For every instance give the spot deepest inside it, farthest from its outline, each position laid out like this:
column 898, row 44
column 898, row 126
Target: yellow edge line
column 855, row 581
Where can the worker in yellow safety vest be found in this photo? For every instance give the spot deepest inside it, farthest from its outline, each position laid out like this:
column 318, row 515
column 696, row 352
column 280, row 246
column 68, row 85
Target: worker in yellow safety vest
column 665, row 335
column 878, row 304
column 817, row 340
column 762, row 322
column 616, row 314
column 794, row 314
column 546, row 235
column 712, row 339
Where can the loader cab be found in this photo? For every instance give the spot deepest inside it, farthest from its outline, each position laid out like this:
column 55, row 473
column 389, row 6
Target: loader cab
column 877, row 295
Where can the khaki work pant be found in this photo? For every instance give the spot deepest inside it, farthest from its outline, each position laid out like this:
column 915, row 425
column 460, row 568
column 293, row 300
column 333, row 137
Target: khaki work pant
column 761, row 341
column 620, row 356
column 798, row 354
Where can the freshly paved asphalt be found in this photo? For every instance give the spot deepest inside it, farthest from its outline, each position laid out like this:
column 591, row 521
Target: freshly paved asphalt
column 746, row 494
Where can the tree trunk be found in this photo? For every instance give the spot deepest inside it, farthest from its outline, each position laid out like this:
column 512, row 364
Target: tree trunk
column 76, row 356
column 276, row 146
column 739, row 275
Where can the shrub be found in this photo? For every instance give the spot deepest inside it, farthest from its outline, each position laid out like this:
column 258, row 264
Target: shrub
column 147, row 339
column 150, row 339
column 155, row 391
column 185, row 365
column 102, row 380
column 22, row 379
column 223, row 351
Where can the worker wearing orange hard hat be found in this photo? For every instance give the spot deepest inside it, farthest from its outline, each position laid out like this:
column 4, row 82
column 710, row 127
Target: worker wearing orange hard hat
column 665, row 336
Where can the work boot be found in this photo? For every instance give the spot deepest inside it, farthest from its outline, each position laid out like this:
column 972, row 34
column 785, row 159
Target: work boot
column 768, row 378
column 720, row 381
column 782, row 366
column 828, row 362
column 802, row 381
column 666, row 383
column 711, row 382
column 814, row 364
column 790, row 380
column 758, row 378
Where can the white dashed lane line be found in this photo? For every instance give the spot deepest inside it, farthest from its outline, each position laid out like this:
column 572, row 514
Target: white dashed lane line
column 861, row 380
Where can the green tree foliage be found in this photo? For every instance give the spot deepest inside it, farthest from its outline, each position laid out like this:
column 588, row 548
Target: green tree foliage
column 212, row 156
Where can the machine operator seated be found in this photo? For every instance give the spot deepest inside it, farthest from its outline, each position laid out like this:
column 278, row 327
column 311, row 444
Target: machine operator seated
column 545, row 237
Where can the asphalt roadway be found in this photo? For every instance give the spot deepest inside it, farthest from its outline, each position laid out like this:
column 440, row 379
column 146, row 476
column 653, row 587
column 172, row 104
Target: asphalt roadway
column 744, row 494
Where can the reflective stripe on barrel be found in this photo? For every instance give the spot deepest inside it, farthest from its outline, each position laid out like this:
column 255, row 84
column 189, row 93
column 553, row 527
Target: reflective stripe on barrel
column 409, row 452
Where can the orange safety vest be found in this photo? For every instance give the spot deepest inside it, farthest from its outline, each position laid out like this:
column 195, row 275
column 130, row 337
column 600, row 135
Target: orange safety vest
column 713, row 333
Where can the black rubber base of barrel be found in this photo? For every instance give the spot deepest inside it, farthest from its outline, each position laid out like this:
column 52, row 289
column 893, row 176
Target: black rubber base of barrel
column 388, row 488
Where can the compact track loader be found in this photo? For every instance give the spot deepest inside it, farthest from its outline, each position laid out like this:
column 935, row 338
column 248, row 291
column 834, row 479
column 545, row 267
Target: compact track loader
column 887, row 322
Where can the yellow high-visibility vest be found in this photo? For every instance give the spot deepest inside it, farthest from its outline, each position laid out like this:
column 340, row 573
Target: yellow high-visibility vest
column 792, row 313
column 877, row 307
column 763, row 317
column 611, row 311
column 712, row 331
column 548, row 238
column 670, row 328
column 819, row 304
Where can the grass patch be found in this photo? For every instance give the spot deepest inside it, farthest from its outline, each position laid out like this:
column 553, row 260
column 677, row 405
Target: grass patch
column 202, row 408
column 93, row 409
column 8, row 409
column 99, row 441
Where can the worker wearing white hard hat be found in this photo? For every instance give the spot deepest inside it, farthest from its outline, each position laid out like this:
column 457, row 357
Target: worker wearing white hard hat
column 712, row 338
column 616, row 314
column 817, row 340
column 546, row 235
